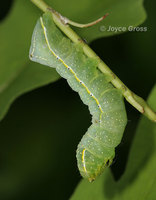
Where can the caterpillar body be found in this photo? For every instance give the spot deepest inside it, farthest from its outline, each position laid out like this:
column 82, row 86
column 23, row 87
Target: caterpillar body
column 96, row 149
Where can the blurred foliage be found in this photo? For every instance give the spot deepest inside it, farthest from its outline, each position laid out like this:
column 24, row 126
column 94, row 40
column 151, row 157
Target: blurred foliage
column 138, row 181
column 38, row 144
column 41, row 131
column 121, row 14
column 17, row 74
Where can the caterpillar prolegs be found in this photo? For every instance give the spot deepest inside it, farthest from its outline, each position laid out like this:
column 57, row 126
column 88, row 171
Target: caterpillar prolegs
column 96, row 150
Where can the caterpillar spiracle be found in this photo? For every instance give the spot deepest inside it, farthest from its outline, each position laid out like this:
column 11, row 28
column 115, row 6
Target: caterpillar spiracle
column 96, row 149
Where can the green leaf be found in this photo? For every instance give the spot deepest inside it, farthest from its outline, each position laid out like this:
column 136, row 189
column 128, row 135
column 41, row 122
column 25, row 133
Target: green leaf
column 29, row 77
column 139, row 179
column 121, row 14
column 17, row 28
column 17, row 73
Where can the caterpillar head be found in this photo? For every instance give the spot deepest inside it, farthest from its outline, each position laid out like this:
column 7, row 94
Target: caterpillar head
column 91, row 165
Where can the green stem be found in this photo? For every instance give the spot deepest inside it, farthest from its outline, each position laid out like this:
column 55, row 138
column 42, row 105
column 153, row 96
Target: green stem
column 40, row 4
column 85, row 25
column 131, row 97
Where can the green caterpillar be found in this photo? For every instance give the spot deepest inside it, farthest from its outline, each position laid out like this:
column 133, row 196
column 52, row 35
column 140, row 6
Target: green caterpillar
column 96, row 150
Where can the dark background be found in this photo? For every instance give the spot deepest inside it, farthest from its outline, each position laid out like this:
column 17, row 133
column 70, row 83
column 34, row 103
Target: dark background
column 39, row 135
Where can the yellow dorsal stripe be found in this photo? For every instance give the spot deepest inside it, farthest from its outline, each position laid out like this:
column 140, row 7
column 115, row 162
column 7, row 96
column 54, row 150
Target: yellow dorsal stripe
column 83, row 160
column 46, row 38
